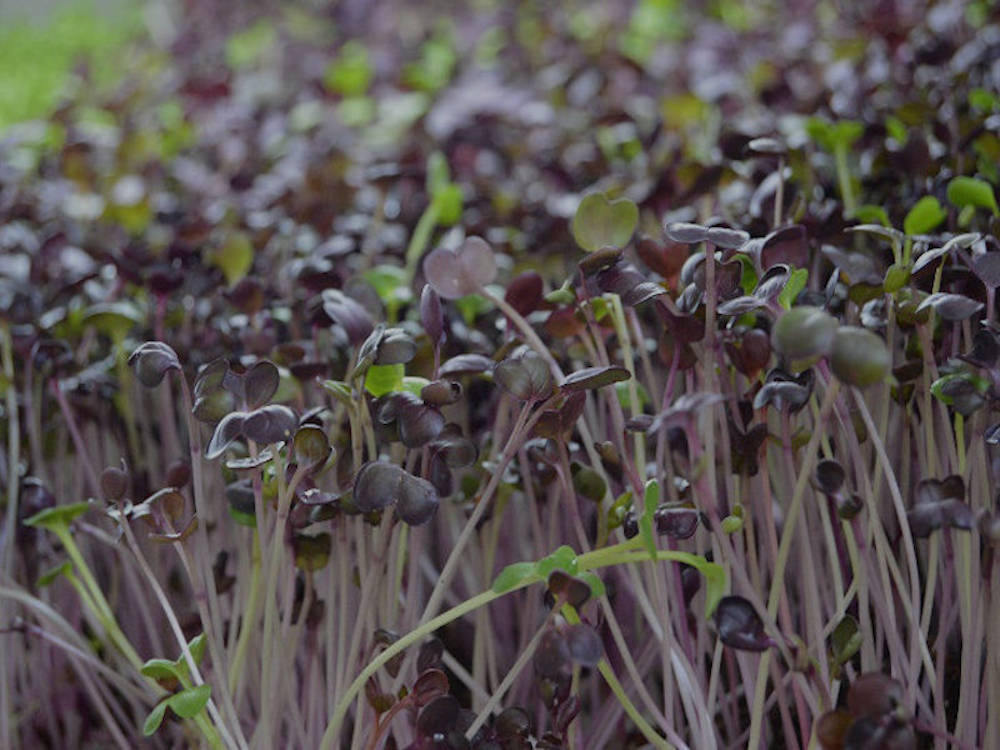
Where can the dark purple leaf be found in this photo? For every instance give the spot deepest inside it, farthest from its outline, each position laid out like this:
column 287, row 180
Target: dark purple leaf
column 438, row 716
column 985, row 349
column 431, row 684
column 740, row 306
column 868, row 733
column 114, row 483
column 951, row 306
column 441, row 392
column 787, row 245
column 512, row 723
column 739, row 626
column 927, row 517
column 270, row 424
column 856, row 267
column 152, row 360
column 553, row 659
column 782, row 395
column 676, row 522
column 771, row 283
column 348, row 314
column 594, row 377
column 455, row 274
column 395, row 347
column 829, row 476
column 380, row 484
column 431, row 314
column 228, row 429
column 873, row 694
column 600, row 259
column 260, row 383
column 524, row 292
column 466, row 364
column 666, row 260
column 419, row 423
column 727, row 238
column 628, row 282
column 312, row 448
column 568, row 589
column 680, row 231
column 584, row 644
column 525, row 376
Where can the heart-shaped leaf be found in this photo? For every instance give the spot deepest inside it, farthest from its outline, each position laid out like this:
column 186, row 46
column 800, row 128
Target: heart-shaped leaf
column 270, row 424
column 312, row 448
column 380, row 484
column 377, row 486
column 600, row 222
column 525, row 376
column 458, row 273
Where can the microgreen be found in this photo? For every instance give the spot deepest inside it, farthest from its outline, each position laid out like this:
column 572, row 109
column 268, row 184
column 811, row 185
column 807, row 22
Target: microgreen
column 550, row 379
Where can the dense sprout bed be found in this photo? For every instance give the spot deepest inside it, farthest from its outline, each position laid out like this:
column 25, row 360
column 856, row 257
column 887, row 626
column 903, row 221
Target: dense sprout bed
column 594, row 376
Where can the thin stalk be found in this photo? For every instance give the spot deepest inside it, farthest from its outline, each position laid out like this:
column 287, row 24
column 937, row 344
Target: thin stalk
column 508, row 680
column 619, row 554
column 778, row 578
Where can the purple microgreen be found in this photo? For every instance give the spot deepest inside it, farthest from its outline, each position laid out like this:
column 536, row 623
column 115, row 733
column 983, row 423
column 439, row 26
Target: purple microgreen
column 680, row 231
column 787, row 245
column 348, row 314
column 592, row 378
column 584, row 644
column 152, row 361
column 466, row 364
column 431, row 315
column 739, row 626
column 524, row 375
column 457, row 273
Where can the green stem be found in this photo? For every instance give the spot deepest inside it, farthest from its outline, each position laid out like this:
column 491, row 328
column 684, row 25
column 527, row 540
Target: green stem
column 102, row 610
column 13, row 444
column 778, row 577
column 420, row 238
column 844, row 180
column 630, row 551
column 249, row 616
column 569, row 612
